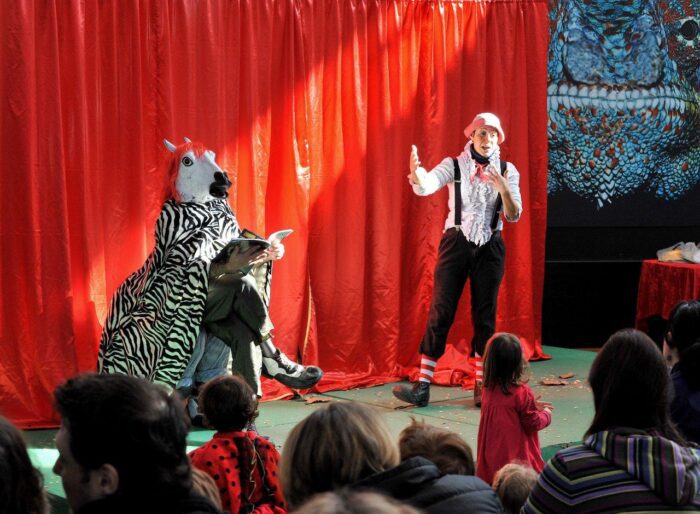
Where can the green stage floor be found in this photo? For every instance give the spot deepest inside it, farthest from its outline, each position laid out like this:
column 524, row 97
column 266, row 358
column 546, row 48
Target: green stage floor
column 450, row 408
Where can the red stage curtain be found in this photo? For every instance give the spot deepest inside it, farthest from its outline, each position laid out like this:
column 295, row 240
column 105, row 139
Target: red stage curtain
column 312, row 106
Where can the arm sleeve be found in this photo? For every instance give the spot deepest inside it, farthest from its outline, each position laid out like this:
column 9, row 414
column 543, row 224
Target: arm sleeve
column 438, row 177
column 531, row 419
column 513, row 179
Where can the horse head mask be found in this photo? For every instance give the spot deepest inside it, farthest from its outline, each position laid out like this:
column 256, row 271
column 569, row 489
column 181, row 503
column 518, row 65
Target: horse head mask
column 194, row 175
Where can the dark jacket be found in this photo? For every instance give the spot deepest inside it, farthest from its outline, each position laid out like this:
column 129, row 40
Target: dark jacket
column 685, row 407
column 193, row 504
column 418, row 482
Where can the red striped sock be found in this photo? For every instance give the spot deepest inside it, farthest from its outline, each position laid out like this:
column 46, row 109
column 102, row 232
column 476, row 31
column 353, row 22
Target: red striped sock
column 478, row 367
column 427, row 368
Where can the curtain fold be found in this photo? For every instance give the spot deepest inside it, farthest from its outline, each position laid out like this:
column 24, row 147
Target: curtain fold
column 312, row 107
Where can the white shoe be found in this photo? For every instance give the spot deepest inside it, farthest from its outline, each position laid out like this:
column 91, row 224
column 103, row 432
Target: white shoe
column 289, row 373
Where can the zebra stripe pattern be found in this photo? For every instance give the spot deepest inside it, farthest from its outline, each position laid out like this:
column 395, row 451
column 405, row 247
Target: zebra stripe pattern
column 155, row 313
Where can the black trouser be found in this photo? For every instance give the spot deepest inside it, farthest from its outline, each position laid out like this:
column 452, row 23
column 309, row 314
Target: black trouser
column 459, row 260
column 229, row 302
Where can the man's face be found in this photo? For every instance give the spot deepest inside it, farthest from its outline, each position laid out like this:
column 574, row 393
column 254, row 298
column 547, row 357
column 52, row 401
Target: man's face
column 81, row 486
column 485, row 140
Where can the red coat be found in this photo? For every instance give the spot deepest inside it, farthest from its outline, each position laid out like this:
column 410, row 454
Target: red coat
column 227, row 459
column 508, row 430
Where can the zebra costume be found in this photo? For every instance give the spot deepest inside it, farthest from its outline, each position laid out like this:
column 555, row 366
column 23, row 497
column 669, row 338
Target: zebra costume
column 156, row 313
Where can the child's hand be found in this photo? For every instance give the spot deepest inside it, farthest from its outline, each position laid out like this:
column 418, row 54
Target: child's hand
column 543, row 406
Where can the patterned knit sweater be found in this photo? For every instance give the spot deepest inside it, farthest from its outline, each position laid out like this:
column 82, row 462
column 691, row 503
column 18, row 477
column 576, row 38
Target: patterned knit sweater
column 619, row 471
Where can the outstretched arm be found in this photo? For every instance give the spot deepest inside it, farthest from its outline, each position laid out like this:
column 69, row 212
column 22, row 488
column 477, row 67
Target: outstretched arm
column 535, row 414
column 425, row 183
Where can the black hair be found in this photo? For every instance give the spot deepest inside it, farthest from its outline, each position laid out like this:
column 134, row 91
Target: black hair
column 683, row 335
column 228, row 403
column 21, row 484
column 503, row 362
column 132, row 424
column 631, row 386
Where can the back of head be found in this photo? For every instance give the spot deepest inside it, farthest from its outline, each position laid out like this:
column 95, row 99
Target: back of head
column 446, row 449
column 503, row 362
column 228, row 403
column 513, row 483
column 683, row 335
column 205, row 486
column 630, row 384
column 337, row 445
column 21, row 484
column 133, row 425
column 345, row 501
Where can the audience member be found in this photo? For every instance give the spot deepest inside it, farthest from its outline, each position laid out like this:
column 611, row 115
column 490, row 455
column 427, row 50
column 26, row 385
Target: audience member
column 682, row 352
column 242, row 463
column 349, row 445
column 508, row 407
column 446, row 449
column 204, row 485
column 347, row 501
column 513, row 483
column 21, row 484
column 121, row 448
column 632, row 457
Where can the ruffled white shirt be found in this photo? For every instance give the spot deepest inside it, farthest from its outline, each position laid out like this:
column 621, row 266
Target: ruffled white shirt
column 478, row 196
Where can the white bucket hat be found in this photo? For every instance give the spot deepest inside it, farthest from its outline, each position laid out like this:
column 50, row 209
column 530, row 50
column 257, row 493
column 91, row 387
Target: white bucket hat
column 489, row 120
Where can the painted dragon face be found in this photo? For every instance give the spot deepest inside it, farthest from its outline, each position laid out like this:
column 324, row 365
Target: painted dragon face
column 195, row 177
column 623, row 97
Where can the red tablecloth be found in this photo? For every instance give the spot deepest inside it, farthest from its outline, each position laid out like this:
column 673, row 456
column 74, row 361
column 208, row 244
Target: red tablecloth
column 662, row 285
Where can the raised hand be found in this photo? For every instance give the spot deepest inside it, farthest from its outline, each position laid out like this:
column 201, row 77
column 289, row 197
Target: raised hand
column 497, row 180
column 275, row 252
column 413, row 164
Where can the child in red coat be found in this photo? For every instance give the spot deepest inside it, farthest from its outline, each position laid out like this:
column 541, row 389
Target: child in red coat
column 511, row 416
column 243, row 464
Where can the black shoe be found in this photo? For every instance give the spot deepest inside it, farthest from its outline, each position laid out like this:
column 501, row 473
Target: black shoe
column 418, row 395
column 290, row 373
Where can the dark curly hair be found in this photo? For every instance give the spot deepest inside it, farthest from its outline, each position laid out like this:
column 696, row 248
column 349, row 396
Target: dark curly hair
column 228, row 403
column 132, row 424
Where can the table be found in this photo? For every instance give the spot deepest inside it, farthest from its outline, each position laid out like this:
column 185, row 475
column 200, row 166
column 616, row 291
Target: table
column 662, row 285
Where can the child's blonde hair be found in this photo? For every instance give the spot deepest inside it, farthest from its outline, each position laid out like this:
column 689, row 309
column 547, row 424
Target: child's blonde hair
column 504, row 365
column 513, row 483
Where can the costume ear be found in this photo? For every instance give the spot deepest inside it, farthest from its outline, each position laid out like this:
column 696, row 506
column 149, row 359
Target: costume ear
column 169, row 145
column 187, row 140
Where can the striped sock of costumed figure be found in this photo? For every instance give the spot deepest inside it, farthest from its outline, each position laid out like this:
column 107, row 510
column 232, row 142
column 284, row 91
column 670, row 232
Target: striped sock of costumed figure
column 478, row 379
column 427, row 369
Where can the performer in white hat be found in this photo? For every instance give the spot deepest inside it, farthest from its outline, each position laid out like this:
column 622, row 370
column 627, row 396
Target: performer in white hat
column 480, row 187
